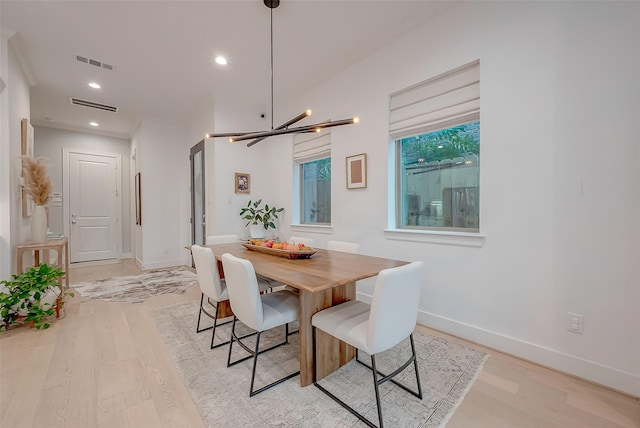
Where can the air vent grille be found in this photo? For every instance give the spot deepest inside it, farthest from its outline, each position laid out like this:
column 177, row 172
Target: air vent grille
column 94, row 62
column 91, row 104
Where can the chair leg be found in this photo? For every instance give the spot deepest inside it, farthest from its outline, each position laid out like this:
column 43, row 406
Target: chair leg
column 415, row 366
column 376, row 381
column 376, row 385
column 253, row 353
column 389, row 377
column 327, row 392
column 213, row 334
column 202, row 309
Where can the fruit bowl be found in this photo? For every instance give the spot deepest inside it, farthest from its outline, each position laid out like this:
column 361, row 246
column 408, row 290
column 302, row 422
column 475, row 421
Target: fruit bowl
column 299, row 253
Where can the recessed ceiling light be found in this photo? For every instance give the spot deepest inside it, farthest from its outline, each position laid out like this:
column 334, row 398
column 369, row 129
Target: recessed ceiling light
column 221, row 60
column 93, row 123
column 94, row 85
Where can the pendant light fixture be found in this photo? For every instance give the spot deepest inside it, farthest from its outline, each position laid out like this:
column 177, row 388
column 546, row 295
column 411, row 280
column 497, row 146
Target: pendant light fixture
column 285, row 127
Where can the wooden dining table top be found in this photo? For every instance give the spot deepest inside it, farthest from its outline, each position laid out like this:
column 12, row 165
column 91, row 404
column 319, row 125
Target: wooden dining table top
column 323, row 270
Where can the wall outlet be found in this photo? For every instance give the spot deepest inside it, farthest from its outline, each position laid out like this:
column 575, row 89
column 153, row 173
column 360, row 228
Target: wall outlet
column 575, row 323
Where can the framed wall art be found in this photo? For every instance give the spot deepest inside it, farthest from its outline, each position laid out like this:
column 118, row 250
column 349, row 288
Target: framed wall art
column 242, row 182
column 357, row 171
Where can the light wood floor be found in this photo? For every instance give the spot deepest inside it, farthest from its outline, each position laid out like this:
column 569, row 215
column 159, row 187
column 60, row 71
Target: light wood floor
column 104, row 365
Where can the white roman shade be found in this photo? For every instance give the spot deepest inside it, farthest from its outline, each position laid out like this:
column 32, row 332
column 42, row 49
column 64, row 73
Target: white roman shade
column 446, row 100
column 312, row 146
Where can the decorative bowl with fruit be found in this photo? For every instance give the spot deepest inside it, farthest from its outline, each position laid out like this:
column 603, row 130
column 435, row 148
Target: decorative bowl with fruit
column 281, row 249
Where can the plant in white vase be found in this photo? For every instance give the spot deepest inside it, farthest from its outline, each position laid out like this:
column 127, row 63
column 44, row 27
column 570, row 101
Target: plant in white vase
column 259, row 217
column 37, row 184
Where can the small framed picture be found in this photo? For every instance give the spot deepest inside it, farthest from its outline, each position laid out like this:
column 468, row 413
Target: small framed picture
column 357, row 171
column 243, row 182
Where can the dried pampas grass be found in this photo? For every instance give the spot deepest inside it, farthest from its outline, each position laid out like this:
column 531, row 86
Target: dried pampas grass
column 37, row 183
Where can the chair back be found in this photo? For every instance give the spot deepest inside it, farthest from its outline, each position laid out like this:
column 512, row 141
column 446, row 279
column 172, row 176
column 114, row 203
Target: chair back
column 207, row 271
column 244, row 294
column 299, row 240
column 222, row 239
column 394, row 308
column 345, row 247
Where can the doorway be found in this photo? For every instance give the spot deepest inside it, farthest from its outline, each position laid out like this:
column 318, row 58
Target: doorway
column 198, row 216
column 93, row 205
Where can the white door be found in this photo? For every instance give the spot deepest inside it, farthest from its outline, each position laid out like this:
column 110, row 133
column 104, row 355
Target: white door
column 94, row 228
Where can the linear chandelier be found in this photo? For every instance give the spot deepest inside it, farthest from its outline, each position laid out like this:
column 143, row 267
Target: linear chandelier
column 258, row 136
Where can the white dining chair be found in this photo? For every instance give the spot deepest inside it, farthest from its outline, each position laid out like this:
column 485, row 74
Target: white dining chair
column 222, row 239
column 213, row 287
column 375, row 328
column 300, row 240
column 344, row 246
column 260, row 312
column 226, row 239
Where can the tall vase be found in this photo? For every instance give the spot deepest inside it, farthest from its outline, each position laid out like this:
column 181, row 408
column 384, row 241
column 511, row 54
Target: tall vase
column 39, row 225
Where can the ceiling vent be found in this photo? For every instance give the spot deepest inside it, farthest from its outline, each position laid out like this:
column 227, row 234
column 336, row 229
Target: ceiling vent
column 91, row 104
column 94, row 62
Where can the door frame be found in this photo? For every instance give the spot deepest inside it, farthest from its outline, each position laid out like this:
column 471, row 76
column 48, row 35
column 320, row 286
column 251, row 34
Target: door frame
column 198, row 148
column 66, row 191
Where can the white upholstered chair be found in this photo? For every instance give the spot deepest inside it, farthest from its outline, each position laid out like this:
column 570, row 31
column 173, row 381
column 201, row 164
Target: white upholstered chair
column 345, row 247
column 226, row 239
column 222, row 239
column 213, row 287
column 260, row 312
column 300, row 240
column 375, row 328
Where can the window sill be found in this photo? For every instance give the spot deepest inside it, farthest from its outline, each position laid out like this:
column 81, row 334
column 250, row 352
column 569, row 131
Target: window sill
column 312, row 228
column 436, row 237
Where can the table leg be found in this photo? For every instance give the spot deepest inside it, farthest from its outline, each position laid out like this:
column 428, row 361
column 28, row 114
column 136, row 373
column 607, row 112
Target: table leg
column 332, row 353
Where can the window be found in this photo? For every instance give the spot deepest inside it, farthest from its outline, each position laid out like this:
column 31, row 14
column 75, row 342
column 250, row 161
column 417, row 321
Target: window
column 315, row 191
column 312, row 153
column 436, row 129
column 439, row 178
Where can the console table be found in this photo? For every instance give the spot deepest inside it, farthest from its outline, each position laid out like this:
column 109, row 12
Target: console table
column 61, row 245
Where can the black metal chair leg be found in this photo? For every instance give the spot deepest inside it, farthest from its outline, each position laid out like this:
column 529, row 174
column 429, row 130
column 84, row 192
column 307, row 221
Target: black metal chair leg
column 376, row 380
column 415, row 366
column 255, row 363
column 376, row 387
column 202, row 309
column 213, row 334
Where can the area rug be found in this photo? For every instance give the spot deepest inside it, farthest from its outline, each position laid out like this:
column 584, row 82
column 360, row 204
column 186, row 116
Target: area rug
column 138, row 288
column 447, row 371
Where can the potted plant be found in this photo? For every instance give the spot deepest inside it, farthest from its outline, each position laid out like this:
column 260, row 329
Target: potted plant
column 33, row 296
column 37, row 184
column 259, row 218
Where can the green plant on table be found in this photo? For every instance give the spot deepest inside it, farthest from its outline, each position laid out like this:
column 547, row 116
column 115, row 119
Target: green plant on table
column 256, row 214
column 32, row 295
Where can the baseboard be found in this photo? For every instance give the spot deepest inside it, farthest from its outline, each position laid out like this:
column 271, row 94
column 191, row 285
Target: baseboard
column 94, row 263
column 619, row 380
column 126, row 256
column 160, row 264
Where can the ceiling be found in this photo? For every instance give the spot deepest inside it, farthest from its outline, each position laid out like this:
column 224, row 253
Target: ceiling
column 162, row 53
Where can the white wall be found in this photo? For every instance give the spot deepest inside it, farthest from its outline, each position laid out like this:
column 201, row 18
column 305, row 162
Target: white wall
column 49, row 142
column 162, row 157
column 14, row 104
column 559, row 179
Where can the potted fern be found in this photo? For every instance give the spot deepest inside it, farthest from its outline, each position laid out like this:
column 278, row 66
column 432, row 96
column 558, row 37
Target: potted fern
column 33, row 296
column 259, row 217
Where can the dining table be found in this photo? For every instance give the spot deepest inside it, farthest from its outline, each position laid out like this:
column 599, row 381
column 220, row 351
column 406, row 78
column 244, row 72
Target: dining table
column 324, row 279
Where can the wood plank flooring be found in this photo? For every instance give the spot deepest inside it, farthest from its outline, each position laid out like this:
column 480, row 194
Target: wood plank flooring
column 105, row 365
